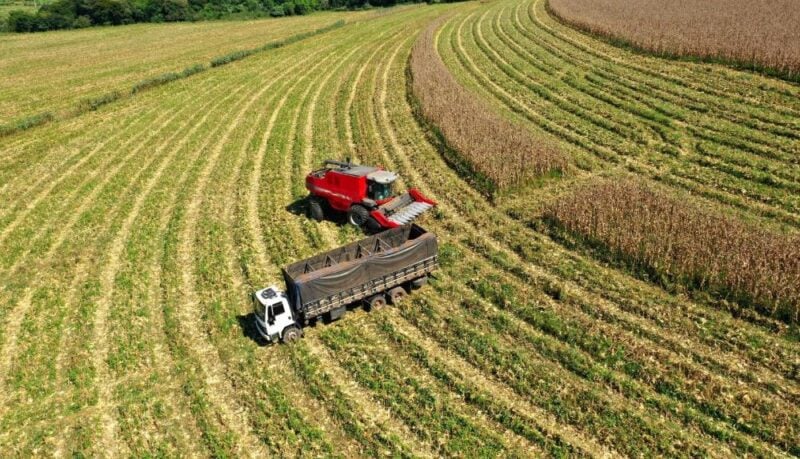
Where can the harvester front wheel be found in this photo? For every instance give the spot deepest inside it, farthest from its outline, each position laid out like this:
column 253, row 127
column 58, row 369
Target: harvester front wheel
column 315, row 210
column 357, row 215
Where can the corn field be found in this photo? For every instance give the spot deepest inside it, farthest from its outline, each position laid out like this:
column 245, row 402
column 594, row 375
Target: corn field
column 505, row 153
column 761, row 35
column 132, row 236
column 649, row 227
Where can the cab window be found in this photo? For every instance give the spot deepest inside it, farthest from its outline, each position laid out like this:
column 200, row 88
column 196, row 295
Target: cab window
column 277, row 309
column 379, row 191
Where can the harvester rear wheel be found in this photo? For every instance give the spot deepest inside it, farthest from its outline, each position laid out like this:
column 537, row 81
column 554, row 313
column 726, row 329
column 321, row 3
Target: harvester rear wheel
column 357, row 215
column 315, row 210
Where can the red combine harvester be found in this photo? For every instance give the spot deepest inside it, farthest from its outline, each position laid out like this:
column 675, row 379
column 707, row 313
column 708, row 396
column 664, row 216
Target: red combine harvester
column 365, row 193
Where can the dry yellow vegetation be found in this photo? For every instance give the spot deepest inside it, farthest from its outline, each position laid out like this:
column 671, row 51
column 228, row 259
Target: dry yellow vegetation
column 53, row 71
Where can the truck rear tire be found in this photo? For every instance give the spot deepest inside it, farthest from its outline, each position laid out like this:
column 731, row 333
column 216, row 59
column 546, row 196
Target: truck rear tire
column 291, row 334
column 357, row 215
column 396, row 295
column 315, row 210
column 418, row 283
column 376, row 302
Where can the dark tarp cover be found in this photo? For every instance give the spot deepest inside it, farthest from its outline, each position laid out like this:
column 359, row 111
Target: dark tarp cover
column 357, row 263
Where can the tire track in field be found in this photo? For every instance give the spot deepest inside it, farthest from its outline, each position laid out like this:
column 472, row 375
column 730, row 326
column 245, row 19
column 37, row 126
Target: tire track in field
column 730, row 170
column 265, row 360
column 50, row 185
column 612, row 156
column 370, row 410
column 42, row 160
column 623, row 386
column 379, row 100
column 438, row 405
column 212, row 367
column 755, row 197
column 16, row 315
column 577, row 40
column 570, row 391
column 515, row 443
column 101, row 348
column 534, row 415
column 506, row 219
column 401, row 155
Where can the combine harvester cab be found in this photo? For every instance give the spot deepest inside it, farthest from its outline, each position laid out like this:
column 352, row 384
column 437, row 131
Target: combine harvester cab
column 373, row 271
column 365, row 194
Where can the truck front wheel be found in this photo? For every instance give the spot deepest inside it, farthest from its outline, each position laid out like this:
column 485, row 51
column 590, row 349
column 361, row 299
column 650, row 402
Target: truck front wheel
column 357, row 215
column 291, row 334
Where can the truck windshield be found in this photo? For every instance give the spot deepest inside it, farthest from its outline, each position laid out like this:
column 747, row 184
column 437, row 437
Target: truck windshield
column 379, row 191
column 258, row 308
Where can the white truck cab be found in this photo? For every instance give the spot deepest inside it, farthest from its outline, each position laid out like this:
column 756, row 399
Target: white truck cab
column 274, row 318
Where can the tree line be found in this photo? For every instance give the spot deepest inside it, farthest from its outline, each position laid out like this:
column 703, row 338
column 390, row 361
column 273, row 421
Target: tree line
column 73, row 14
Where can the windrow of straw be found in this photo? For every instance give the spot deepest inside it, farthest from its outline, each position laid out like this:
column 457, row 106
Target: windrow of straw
column 678, row 241
column 494, row 149
column 761, row 35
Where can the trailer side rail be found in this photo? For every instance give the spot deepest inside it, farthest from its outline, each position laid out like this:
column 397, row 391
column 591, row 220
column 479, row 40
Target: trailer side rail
column 372, row 287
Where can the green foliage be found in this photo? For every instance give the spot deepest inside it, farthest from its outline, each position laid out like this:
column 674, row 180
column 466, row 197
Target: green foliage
column 241, row 54
column 231, row 57
column 26, row 123
column 93, row 103
column 157, row 80
column 75, row 14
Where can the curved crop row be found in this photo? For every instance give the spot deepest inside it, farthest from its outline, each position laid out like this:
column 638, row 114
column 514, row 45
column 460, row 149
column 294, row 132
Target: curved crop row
column 760, row 36
column 607, row 104
column 520, row 345
column 499, row 153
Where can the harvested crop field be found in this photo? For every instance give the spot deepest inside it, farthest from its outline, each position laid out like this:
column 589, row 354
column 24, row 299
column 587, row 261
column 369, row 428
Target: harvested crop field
column 54, row 71
column 131, row 237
